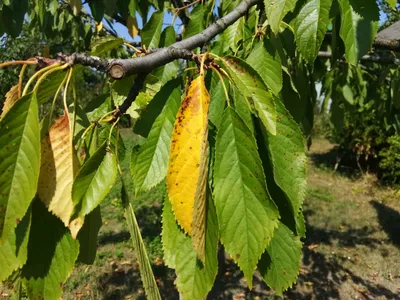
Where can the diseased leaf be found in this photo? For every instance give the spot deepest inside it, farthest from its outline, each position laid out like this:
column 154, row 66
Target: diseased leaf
column 194, row 279
column 267, row 62
column 188, row 148
column 106, row 44
column 14, row 248
column 92, row 183
column 152, row 157
column 246, row 214
column 87, row 237
column 287, row 153
column 151, row 31
column 280, row 264
column 59, row 165
column 310, row 27
column 250, row 84
column 358, row 28
column 11, row 98
column 51, row 255
column 19, row 162
column 276, row 10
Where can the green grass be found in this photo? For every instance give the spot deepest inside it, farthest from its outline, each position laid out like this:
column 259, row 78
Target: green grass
column 320, row 193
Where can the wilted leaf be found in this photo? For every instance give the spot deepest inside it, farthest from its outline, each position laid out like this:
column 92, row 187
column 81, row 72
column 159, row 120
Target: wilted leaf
column 11, row 98
column 188, row 148
column 19, row 162
column 58, row 169
column 247, row 216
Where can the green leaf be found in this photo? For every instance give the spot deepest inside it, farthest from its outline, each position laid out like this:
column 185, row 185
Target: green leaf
column 120, row 90
column 250, row 84
column 197, row 21
column 97, row 9
column 117, row 145
column 242, row 109
column 106, row 44
column 228, row 5
column 287, row 153
column 19, row 161
column 280, row 264
column 132, row 7
column 266, row 61
column 49, row 86
column 152, row 159
column 14, row 248
column 358, row 28
column 310, row 27
column 51, row 255
column 98, row 107
column 93, row 181
column 246, row 214
column 276, row 10
column 392, row 3
column 194, row 280
column 217, row 97
column 233, row 35
column 146, row 273
column 151, row 31
column 87, row 237
column 41, row 10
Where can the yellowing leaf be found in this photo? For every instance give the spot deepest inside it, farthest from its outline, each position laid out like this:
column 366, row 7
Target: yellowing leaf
column 188, row 155
column 99, row 26
column 58, row 168
column 133, row 27
column 11, row 98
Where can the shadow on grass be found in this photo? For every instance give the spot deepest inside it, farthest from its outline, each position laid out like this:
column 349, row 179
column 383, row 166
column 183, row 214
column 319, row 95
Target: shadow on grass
column 389, row 219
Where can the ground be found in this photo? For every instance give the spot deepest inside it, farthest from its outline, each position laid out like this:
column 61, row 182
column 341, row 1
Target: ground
column 352, row 249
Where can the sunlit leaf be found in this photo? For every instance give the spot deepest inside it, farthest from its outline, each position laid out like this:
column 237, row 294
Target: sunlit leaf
column 59, row 165
column 51, row 255
column 19, row 162
column 14, row 248
column 246, row 214
column 276, row 10
column 310, row 27
column 106, row 44
column 250, row 84
column 197, row 21
column 151, row 31
column 280, row 264
column 358, row 28
column 194, row 279
column 49, row 86
column 152, row 159
column 92, row 183
column 188, row 148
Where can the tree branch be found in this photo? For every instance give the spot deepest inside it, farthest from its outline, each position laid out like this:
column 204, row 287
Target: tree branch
column 119, row 68
column 370, row 57
column 133, row 93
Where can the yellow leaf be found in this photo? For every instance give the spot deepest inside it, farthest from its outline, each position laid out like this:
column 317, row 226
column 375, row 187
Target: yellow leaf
column 46, row 51
column 187, row 170
column 99, row 26
column 59, row 165
column 133, row 27
column 11, row 98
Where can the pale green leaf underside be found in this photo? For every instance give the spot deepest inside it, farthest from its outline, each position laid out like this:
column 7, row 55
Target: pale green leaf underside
column 287, row 154
column 276, row 10
column 233, row 34
column 19, row 161
column 193, row 280
column 280, row 264
column 310, row 27
column 246, row 214
column 267, row 62
column 94, row 180
column 151, row 31
column 251, row 85
column 358, row 28
column 106, row 44
column 152, row 159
